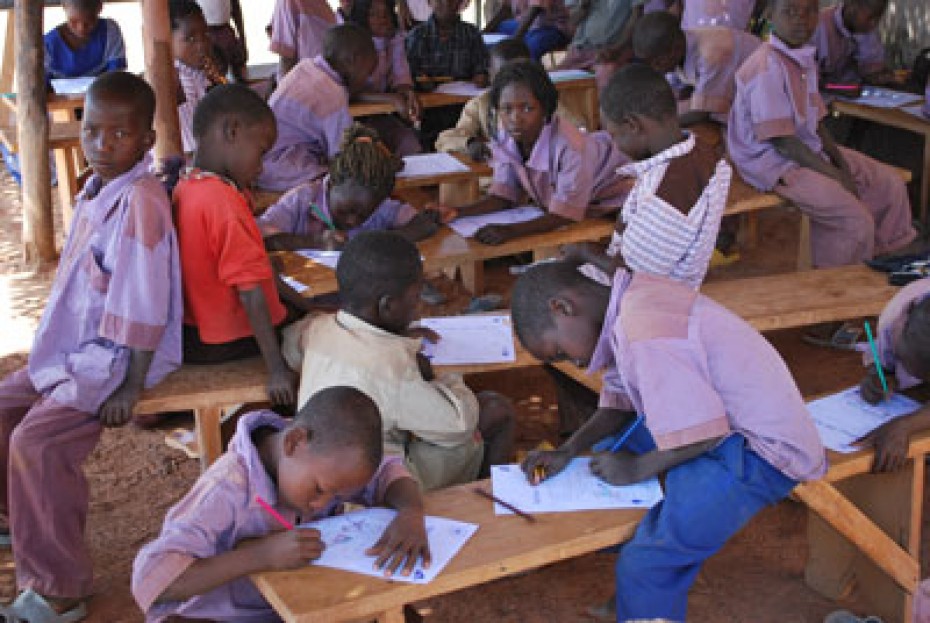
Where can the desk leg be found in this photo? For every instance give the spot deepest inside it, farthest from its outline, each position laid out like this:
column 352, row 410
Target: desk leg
column 207, row 424
column 473, row 277
column 394, row 615
column 67, row 185
column 456, row 194
column 804, row 244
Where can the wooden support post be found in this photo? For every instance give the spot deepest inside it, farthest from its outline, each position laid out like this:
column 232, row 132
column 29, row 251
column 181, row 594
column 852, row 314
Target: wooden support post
column 32, row 132
column 159, row 71
column 209, row 437
column 7, row 66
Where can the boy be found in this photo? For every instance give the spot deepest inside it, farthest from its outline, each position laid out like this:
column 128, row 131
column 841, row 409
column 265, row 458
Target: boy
column 85, row 45
column 731, row 430
column 542, row 24
column 231, row 305
column 446, row 433
column 306, row 469
column 297, row 31
column 849, row 49
column 601, row 42
column 311, row 107
column 704, row 59
column 229, row 46
column 112, row 326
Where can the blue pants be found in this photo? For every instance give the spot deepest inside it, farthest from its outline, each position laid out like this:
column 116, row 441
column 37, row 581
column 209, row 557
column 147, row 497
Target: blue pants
column 538, row 40
column 707, row 500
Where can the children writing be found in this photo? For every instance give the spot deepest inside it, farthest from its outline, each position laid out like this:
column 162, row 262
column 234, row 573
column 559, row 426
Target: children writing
column 731, row 432
column 112, row 326
column 311, row 107
column 353, row 197
column 567, row 173
column 849, row 49
column 85, row 44
column 298, row 30
column 446, row 434
column 304, row 469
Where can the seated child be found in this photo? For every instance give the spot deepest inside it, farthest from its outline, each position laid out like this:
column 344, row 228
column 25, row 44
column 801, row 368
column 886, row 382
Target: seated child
column 446, row 433
column 568, row 173
column 849, row 49
column 85, row 45
column 311, row 107
column 602, row 32
column 542, row 24
column 230, row 50
column 231, row 306
column 297, row 31
column 858, row 207
column 306, row 469
column 733, row 14
column 731, row 431
column 705, row 59
column 112, row 326
column 355, row 196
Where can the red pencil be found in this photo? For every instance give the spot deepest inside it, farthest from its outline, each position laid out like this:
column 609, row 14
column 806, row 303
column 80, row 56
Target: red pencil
column 506, row 505
column 281, row 520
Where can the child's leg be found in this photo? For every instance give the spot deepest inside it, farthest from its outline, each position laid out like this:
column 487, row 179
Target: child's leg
column 496, row 423
column 199, row 352
column 17, row 395
column 707, row 500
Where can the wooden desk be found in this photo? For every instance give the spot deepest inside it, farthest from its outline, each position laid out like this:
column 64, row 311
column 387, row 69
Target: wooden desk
column 455, row 189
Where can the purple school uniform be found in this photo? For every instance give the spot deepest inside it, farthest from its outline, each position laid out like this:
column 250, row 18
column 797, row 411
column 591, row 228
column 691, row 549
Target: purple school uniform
column 293, row 213
column 195, row 84
column 298, row 26
column 392, row 71
column 219, row 512
column 569, row 172
column 890, row 325
column 311, row 107
column 733, row 14
column 927, row 100
column 841, row 55
column 712, row 58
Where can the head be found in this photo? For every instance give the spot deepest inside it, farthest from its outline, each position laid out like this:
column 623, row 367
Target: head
column 361, row 176
column 523, row 99
column 190, row 40
column 380, row 276
column 234, row 129
column 445, row 11
column 794, row 21
column 349, row 50
column 116, row 129
column 862, row 16
column 81, row 17
column 659, row 41
column 378, row 17
column 507, row 50
column 332, row 448
column 912, row 348
column 558, row 312
column 638, row 109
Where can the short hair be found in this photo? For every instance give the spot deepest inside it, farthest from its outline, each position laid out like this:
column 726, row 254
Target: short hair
column 916, row 331
column 874, row 6
column 510, row 49
column 126, row 87
column 180, row 10
column 365, row 160
column 654, row 33
column 86, row 6
column 529, row 301
column 638, row 89
column 344, row 41
column 362, row 8
column 375, row 264
column 234, row 100
column 340, row 418
column 530, row 74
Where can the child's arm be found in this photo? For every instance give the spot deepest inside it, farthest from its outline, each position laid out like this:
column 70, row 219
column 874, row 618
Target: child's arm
column 526, row 20
column 836, row 157
column 793, row 148
column 502, row 14
column 612, row 51
column 236, row 14
column 405, row 537
column 282, row 381
column 594, row 254
column 467, row 135
column 624, row 468
column 870, row 387
column 485, row 205
column 422, row 226
column 328, row 240
column 891, row 439
column 117, row 409
column 499, row 234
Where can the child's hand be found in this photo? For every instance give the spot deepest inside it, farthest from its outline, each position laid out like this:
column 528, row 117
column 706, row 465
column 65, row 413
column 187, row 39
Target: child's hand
column 401, row 107
column 541, row 465
column 117, row 409
column 494, row 234
column 282, row 386
column 480, row 80
column 403, row 542
column 870, row 387
column 890, row 441
column 618, row 468
column 288, row 549
column 447, row 214
column 414, row 107
column 478, row 150
column 426, row 367
column 423, row 225
column 331, row 240
column 424, row 333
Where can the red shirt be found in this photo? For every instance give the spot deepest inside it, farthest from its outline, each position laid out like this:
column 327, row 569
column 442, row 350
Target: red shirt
column 221, row 253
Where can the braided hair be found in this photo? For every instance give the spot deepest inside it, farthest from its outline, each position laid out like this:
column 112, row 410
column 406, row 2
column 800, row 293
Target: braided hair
column 364, row 160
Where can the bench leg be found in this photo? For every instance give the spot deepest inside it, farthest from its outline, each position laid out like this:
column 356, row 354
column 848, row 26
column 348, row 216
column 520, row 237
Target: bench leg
column 207, row 425
column 472, row 274
column 67, row 185
column 804, row 244
column 456, row 194
column 749, row 230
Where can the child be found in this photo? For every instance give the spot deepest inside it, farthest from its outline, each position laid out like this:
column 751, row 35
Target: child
column 311, row 107
column 705, row 59
column 231, row 306
column 85, row 45
column 602, row 31
column 112, row 326
column 354, row 196
column 229, row 46
column 306, row 469
column 446, row 433
column 849, row 49
column 858, row 208
column 733, row 14
column 730, row 429
column 543, row 24
column 565, row 172
column 297, row 30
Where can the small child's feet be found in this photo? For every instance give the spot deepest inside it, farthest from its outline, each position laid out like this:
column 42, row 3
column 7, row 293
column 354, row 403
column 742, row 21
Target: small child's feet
column 845, row 616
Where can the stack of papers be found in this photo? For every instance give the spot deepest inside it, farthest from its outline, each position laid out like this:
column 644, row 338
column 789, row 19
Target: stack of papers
column 422, row 165
column 71, row 86
column 460, row 87
column 327, row 258
column 493, row 38
column 561, row 75
column 468, row 340
column 844, row 418
column 468, row 226
column 879, row 97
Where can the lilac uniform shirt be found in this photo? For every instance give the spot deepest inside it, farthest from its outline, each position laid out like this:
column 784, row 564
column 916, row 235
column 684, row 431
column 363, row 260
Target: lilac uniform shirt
column 293, row 213
column 842, row 55
column 195, row 84
column 118, row 287
column 392, row 71
column 733, row 14
column 311, row 106
column 713, row 56
column 696, row 371
column 219, row 512
column 569, row 172
column 298, row 26
column 776, row 95
column 890, row 325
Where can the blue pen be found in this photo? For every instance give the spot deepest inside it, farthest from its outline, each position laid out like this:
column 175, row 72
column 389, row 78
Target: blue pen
column 627, row 434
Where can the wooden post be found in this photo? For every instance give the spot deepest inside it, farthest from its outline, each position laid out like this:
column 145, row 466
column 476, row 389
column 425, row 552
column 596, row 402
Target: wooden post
column 32, row 132
column 160, row 73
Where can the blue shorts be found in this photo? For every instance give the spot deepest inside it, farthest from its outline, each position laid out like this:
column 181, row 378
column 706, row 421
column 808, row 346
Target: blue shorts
column 538, row 40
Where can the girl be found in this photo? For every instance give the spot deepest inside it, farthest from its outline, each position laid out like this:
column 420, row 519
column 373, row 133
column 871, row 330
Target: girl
column 535, row 154
column 353, row 197
column 85, row 44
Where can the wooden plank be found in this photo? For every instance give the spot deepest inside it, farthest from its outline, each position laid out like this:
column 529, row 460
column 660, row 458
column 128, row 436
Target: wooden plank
column 209, row 436
column 475, row 170
column 60, row 136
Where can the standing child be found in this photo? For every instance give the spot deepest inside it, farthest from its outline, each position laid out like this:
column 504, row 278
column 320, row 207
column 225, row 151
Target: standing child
column 85, row 45
column 305, row 469
column 542, row 24
column 229, row 46
column 731, row 432
column 849, row 49
column 567, row 173
column 311, row 107
column 112, row 326
column 298, row 29
column 733, row 14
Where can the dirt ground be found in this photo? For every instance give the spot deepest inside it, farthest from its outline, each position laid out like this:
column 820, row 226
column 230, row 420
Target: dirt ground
column 135, row 478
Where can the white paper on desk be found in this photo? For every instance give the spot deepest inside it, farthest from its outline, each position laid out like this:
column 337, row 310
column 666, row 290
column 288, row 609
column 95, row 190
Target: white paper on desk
column 71, row 86
column 471, row 339
column 431, row 164
column 468, row 226
column 299, row 287
column 844, row 417
column 561, row 75
column 879, row 97
column 493, row 38
column 327, row 258
column 460, row 87
column 917, row 110
column 573, row 489
column 348, row 536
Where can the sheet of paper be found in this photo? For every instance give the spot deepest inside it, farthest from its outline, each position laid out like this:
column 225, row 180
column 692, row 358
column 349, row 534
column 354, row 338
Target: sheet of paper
column 470, row 339
column 460, row 87
column 879, row 97
column 574, row 489
column 431, row 164
column 468, row 226
column 561, row 75
column 326, row 258
column 845, row 417
column 71, row 86
column 917, row 110
column 299, row 287
column 493, row 38
column 348, row 536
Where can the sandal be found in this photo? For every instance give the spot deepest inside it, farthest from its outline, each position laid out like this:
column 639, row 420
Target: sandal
column 845, row 616
column 484, row 303
column 184, row 440
column 31, row 607
column 845, row 337
column 6, row 540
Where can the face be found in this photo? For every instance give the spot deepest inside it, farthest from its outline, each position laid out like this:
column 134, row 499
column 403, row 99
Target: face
column 246, row 146
column 397, row 313
column 521, row 113
column 571, row 336
column 664, row 63
column 190, row 41
column 628, row 136
column 350, row 205
column 113, row 136
column 861, row 19
column 80, row 23
column 379, row 19
column 794, row 21
column 358, row 72
column 445, row 11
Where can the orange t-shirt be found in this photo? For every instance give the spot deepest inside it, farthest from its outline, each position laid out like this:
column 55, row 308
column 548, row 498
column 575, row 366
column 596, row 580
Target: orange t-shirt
column 221, row 253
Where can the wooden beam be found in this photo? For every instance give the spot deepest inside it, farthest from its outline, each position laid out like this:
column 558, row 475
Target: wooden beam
column 160, row 73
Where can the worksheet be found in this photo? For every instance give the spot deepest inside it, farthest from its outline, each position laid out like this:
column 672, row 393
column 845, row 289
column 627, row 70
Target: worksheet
column 464, row 88
column 422, row 165
column 468, row 226
column 561, row 75
column 71, row 86
column 917, row 110
column 845, row 417
column 879, row 97
column 470, row 339
column 298, row 286
column 348, row 536
column 326, row 258
column 493, row 38
column 574, row 489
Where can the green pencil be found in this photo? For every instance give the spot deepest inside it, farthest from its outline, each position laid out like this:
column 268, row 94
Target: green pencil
column 878, row 362
column 326, row 220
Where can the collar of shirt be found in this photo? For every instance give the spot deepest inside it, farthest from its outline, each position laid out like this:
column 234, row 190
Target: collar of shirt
column 326, row 68
column 539, row 155
column 193, row 173
column 187, row 70
column 106, row 194
column 433, row 28
column 804, row 56
column 838, row 21
column 634, row 169
column 603, row 355
column 351, row 322
column 259, row 481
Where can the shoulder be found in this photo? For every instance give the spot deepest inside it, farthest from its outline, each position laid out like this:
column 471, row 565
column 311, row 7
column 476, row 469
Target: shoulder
column 656, row 308
column 567, row 136
column 762, row 61
column 208, row 195
column 111, row 26
column 713, row 45
column 148, row 216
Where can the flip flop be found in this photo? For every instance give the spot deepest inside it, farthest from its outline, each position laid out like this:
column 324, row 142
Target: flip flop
column 844, row 338
column 184, row 440
column 484, row 303
column 6, row 540
column 845, row 616
column 31, row 607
